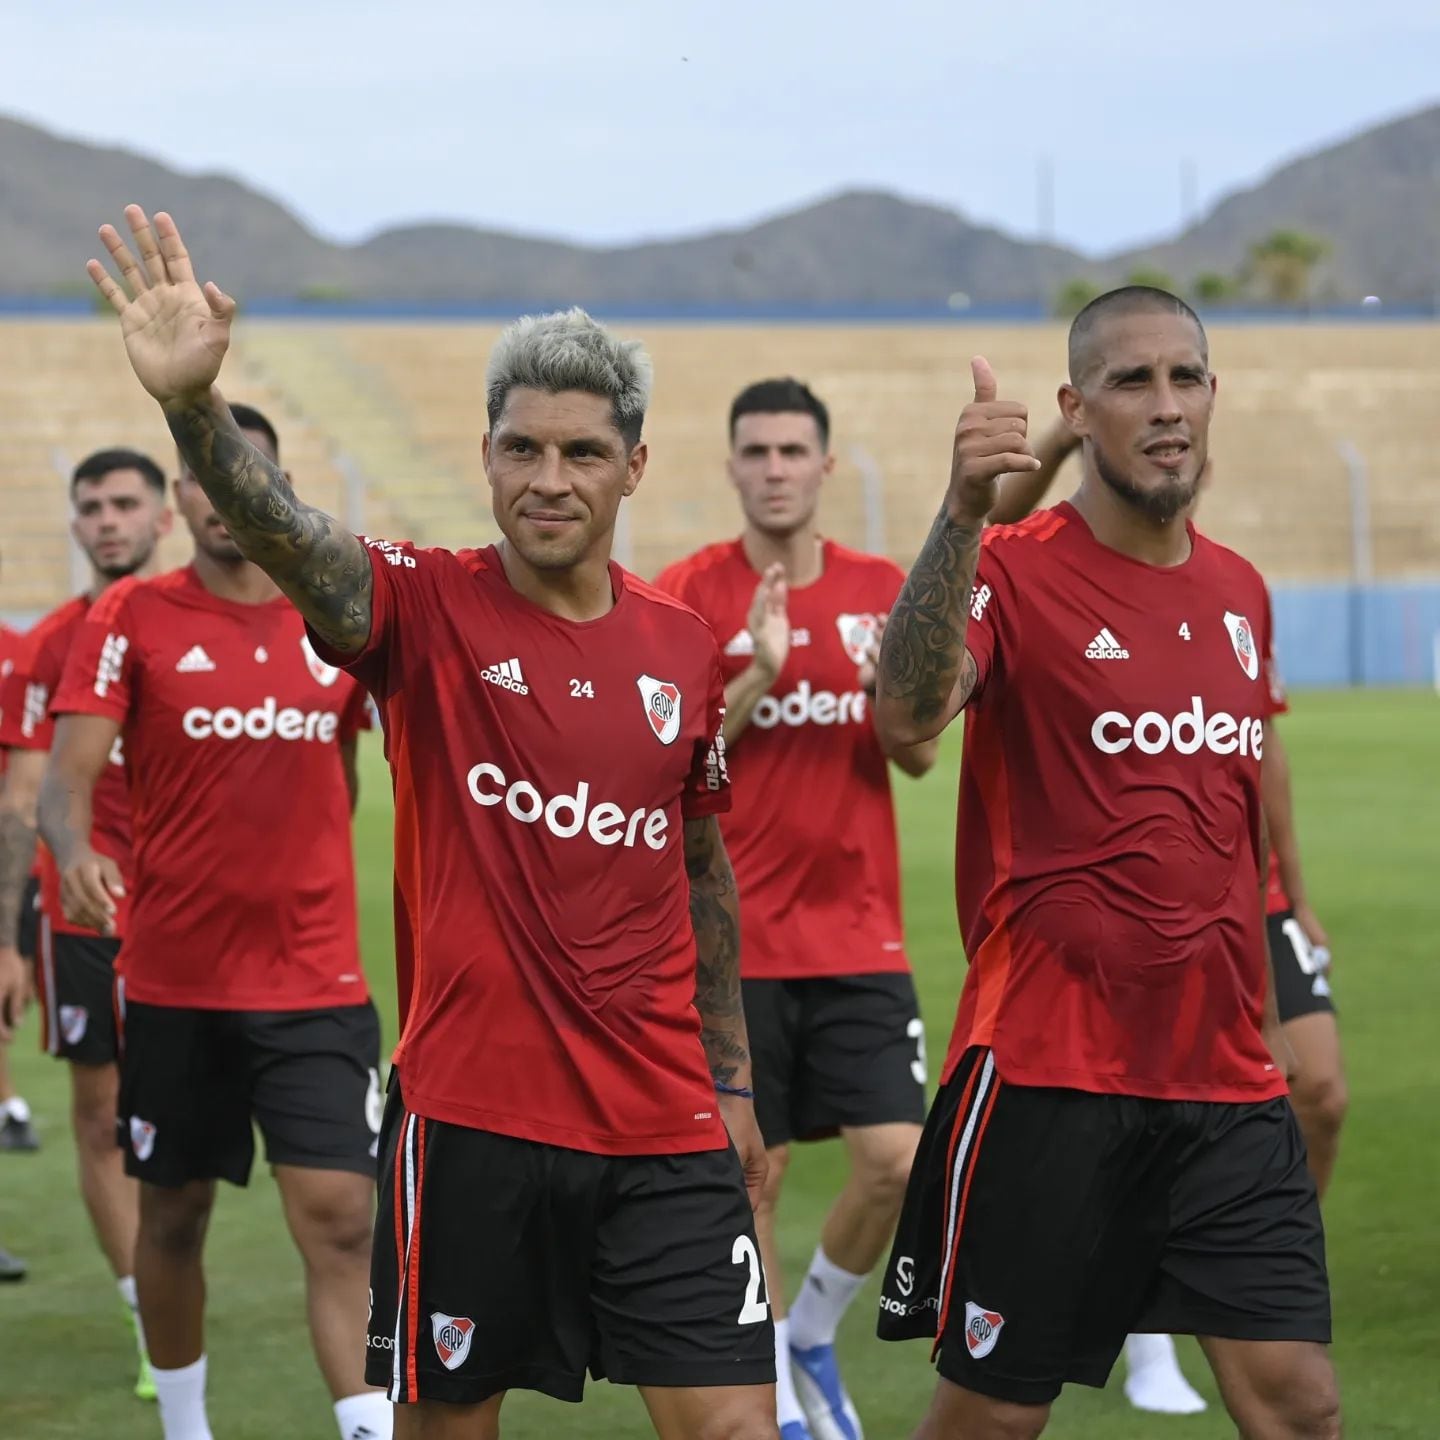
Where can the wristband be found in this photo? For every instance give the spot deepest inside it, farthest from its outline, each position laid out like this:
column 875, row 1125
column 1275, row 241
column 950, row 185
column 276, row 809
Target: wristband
column 739, row 1091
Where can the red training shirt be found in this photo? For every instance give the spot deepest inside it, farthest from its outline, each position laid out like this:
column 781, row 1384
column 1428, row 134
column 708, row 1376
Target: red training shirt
column 812, row 831
column 26, row 724
column 1107, row 862
column 244, row 882
column 12, row 642
column 543, row 769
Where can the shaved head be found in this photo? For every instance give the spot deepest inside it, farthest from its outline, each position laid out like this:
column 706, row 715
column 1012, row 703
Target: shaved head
column 1087, row 330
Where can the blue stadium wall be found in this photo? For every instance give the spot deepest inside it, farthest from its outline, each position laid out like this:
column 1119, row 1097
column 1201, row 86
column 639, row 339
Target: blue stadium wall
column 1334, row 635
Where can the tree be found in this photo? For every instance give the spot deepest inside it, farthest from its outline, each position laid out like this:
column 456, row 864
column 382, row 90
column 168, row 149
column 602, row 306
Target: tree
column 1284, row 262
column 1074, row 295
column 1153, row 276
column 1213, row 288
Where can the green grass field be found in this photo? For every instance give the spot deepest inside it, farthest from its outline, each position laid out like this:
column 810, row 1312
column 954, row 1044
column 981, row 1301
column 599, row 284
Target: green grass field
column 1368, row 781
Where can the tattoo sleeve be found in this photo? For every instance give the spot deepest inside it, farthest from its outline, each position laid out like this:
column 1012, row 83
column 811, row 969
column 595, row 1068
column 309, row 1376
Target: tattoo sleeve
column 318, row 563
column 925, row 668
column 18, row 791
column 17, row 855
column 715, row 915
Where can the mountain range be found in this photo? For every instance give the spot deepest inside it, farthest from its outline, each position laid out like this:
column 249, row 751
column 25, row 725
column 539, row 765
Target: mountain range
column 1373, row 197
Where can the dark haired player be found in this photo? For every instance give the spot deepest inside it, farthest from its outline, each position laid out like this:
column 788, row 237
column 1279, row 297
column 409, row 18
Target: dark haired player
column 833, row 1018
column 559, row 1191
column 240, row 995
column 1112, row 1149
column 120, row 516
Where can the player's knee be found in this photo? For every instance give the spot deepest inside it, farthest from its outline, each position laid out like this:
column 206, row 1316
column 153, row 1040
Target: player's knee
column 94, row 1123
column 1322, row 1104
column 885, row 1179
column 747, row 1419
column 338, row 1227
column 779, row 1158
column 1313, row 1411
column 173, row 1221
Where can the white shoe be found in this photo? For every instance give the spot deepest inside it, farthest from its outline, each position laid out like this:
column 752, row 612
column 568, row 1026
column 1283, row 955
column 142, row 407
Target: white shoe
column 1154, row 1382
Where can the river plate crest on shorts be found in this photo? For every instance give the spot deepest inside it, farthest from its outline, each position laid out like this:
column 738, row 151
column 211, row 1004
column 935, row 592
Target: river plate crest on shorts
column 982, row 1329
column 452, row 1337
column 662, row 707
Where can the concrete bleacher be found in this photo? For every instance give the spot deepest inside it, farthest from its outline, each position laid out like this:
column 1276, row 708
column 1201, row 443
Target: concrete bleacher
column 382, row 423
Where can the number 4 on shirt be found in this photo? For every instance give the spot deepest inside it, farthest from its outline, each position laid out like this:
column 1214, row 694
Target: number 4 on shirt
column 1184, row 629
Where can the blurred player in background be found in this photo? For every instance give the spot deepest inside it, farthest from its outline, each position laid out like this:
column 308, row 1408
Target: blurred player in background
column 1113, row 1148
column 1299, row 954
column 559, row 1190
column 14, row 993
column 240, row 994
column 834, row 1023
column 17, row 1132
column 120, row 516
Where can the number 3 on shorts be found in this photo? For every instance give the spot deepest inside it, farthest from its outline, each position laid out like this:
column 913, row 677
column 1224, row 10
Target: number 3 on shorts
column 754, row 1309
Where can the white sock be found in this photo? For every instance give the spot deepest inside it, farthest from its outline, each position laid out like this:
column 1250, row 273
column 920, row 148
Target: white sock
column 366, row 1416
column 822, row 1302
column 181, row 1394
column 1155, row 1382
column 17, row 1107
column 787, row 1403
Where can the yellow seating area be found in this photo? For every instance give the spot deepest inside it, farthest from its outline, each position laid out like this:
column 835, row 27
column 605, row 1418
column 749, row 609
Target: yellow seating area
column 395, row 412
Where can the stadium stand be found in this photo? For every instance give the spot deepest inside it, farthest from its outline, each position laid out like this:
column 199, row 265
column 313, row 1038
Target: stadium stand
column 395, row 411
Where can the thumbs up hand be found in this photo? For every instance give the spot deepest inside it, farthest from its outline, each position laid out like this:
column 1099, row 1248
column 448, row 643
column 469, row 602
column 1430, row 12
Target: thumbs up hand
column 990, row 441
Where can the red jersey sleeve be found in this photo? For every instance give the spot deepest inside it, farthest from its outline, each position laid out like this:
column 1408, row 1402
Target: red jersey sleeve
column 14, row 692
column 707, row 790
column 1276, row 701
column 673, row 580
column 100, row 667
column 992, row 633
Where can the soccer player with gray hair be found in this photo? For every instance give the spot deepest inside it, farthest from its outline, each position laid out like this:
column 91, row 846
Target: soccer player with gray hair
column 570, row 1132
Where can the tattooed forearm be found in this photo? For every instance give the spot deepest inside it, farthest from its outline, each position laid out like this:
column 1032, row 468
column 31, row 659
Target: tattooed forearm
column 318, row 563
column 715, row 916
column 923, row 655
column 17, row 855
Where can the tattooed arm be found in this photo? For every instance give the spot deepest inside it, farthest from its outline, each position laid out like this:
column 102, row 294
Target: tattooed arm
column 926, row 673
column 715, row 916
column 177, row 333
column 315, row 560
column 19, row 792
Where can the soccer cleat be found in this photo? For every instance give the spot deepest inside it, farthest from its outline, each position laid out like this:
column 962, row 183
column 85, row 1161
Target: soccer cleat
column 12, row 1267
column 18, row 1134
column 795, row 1430
column 823, row 1396
column 144, row 1381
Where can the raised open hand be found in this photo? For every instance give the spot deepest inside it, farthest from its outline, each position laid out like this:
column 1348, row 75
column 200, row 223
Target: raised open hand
column 176, row 333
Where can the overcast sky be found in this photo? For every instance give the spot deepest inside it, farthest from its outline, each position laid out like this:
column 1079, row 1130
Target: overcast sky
column 640, row 117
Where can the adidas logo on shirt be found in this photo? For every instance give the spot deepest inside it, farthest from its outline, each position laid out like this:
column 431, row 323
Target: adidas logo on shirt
column 194, row 659
column 507, row 676
column 1106, row 647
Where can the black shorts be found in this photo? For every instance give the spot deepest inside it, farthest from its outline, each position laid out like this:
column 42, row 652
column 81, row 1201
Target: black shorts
column 503, row 1264
column 193, row 1081
column 75, row 979
column 1042, row 1226
column 836, row 1051
column 1301, row 986
column 29, row 936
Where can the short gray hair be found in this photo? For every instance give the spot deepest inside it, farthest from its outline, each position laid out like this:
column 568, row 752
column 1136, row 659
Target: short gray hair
column 567, row 350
